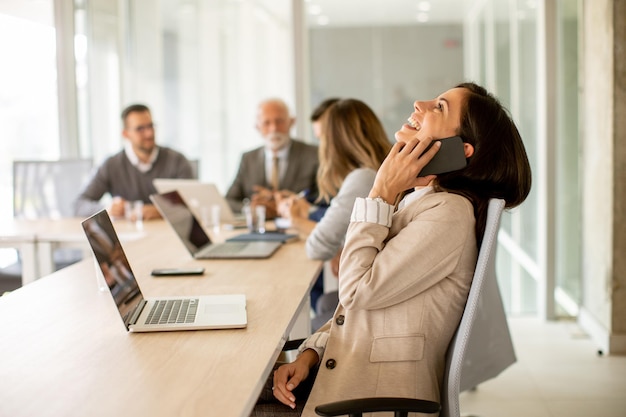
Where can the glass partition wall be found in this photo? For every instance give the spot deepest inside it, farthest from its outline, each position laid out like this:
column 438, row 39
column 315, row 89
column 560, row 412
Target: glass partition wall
column 201, row 66
column 29, row 123
column 510, row 48
column 567, row 197
column 370, row 62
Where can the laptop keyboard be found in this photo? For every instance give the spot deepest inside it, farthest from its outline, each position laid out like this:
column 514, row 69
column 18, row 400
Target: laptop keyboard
column 173, row 311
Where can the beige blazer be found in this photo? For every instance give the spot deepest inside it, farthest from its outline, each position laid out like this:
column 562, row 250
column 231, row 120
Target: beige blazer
column 402, row 291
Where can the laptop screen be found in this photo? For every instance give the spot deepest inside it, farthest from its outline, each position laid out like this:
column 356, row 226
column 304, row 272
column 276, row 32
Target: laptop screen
column 178, row 214
column 197, row 195
column 112, row 260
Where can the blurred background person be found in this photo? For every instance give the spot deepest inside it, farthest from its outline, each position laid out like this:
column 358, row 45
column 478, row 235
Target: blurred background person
column 283, row 163
column 353, row 144
column 127, row 176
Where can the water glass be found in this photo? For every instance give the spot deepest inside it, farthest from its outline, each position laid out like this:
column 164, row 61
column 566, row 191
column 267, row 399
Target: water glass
column 211, row 217
column 255, row 218
column 249, row 214
column 259, row 219
column 133, row 211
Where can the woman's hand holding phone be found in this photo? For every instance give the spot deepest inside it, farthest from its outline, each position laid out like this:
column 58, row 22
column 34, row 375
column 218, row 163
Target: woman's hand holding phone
column 451, row 157
column 400, row 169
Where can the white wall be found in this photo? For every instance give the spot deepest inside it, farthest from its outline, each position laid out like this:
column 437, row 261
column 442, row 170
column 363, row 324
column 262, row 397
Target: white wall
column 388, row 67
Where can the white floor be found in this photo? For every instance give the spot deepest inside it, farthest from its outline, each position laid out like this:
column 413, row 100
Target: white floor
column 558, row 373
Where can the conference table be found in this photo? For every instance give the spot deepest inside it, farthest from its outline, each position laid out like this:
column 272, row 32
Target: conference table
column 37, row 239
column 64, row 350
column 24, row 239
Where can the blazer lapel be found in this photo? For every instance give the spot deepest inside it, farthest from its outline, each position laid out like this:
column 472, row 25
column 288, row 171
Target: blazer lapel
column 259, row 167
column 292, row 167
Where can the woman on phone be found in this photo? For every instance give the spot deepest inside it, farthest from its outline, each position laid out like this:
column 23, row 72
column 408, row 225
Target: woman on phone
column 405, row 271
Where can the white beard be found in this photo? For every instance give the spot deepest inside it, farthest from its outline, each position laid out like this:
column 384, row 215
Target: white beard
column 276, row 141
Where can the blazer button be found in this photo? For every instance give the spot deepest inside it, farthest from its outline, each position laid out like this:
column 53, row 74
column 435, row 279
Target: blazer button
column 331, row 363
column 340, row 320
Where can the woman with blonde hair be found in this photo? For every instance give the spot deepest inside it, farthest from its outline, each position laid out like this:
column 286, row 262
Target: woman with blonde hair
column 353, row 144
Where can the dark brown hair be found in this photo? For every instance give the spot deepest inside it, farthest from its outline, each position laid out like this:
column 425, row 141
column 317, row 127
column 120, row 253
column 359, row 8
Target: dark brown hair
column 133, row 108
column 499, row 167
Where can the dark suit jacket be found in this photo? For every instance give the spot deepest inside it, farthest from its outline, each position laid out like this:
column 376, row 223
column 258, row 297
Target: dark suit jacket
column 301, row 173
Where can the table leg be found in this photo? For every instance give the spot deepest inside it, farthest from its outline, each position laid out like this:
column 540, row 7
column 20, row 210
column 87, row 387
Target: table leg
column 45, row 258
column 302, row 327
column 28, row 253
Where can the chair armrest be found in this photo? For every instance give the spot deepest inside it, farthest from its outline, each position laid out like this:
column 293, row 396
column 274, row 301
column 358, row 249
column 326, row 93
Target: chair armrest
column 357, row 407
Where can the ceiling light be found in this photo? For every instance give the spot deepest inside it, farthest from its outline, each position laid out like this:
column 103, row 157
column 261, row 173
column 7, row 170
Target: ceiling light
column 423, row 6
column 314, row 9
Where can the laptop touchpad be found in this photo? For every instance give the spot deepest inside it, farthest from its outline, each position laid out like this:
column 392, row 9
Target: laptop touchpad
column 221, row 308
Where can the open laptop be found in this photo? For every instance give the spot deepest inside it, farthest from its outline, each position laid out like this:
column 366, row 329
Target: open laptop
column 176, row 212
column 198, row 195
column 156, row 314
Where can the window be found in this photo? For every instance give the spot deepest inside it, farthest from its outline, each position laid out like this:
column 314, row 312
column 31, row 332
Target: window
column 28, row 95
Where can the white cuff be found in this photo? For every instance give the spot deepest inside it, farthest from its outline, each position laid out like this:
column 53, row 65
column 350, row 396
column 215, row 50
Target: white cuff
column 316, row 342
column 372, row 211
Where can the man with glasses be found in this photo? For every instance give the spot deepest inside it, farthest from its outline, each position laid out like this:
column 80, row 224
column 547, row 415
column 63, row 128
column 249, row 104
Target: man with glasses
column 127, row 176
column 282, row 164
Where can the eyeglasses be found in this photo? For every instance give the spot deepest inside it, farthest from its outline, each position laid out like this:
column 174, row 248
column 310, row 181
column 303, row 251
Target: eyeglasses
column 143, row 128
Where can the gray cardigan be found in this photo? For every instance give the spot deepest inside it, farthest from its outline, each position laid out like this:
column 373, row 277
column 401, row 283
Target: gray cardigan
column 117, row 176
column 329, row 234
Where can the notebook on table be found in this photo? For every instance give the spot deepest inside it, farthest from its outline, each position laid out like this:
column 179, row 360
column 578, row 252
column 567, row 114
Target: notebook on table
column 141, row 314
column 198, row 195
column 177, row 213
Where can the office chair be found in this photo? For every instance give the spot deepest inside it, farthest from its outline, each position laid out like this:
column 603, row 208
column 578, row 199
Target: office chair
column 484, row 278
column 46, row 189
column 195, row 168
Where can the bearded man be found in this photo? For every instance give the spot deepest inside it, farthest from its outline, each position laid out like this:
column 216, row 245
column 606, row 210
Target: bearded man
column 283, row 164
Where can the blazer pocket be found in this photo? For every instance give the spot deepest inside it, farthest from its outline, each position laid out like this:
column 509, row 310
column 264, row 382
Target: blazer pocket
column 397, row 348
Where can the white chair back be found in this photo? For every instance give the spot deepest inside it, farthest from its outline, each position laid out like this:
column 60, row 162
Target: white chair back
column 47, row 189
column 473, row 352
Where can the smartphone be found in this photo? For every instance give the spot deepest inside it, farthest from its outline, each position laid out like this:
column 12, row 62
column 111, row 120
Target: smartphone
column 450, row 157
column 170, row 272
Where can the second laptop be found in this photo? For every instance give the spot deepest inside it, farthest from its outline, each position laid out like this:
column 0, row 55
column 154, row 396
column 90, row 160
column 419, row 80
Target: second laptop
column 176, row 212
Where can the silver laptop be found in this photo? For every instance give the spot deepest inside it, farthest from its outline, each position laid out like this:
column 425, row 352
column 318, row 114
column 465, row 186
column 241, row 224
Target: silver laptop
column 198, row 195
column 176, row 212
column 156, row 314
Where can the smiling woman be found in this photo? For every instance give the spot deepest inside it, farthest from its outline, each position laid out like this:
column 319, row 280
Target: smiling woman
column 439, row 118
column 414, row 260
